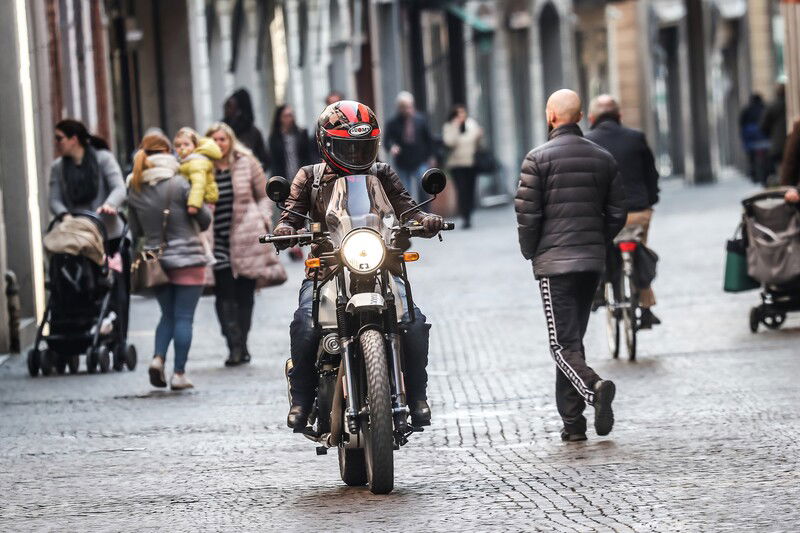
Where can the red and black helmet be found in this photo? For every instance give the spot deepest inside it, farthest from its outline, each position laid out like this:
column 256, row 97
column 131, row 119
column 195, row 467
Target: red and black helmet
column 348, row 136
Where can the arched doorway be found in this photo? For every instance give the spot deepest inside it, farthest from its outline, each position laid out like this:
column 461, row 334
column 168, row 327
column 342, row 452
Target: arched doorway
column 550, row 46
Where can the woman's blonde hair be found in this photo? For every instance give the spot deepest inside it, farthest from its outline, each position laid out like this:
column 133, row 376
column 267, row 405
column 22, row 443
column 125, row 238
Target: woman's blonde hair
column 190, row 134
column 237, row 148
column 152, row 143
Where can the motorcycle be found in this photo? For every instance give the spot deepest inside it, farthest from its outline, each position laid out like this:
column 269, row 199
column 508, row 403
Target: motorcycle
column 358, row 282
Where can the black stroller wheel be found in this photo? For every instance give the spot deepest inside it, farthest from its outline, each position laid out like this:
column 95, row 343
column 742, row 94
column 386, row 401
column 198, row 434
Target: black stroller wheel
column 33, row 362
column 91, row 361
column 46, row 362
column 118, row 358
column 755, row 318
column 103, row 359
column 60, row 364
column 73, row 362
column 130, row 357
column 774, row 321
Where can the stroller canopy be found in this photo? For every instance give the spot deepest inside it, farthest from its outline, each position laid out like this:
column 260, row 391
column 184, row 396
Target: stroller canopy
column 76, row 235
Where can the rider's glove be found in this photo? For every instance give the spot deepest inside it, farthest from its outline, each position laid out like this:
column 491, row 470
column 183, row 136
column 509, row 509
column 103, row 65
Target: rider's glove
column 282, row 231
column 433, row 224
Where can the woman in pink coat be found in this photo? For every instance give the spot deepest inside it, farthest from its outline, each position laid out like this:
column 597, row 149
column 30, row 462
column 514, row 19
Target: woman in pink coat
column 242, row 264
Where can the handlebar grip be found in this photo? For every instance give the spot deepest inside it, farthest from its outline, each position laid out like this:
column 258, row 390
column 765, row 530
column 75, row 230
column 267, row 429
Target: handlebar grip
column 263, row 239
column 448, row 226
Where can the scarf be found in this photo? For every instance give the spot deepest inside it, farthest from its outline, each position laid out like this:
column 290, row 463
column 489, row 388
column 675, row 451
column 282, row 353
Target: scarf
column 81, row 182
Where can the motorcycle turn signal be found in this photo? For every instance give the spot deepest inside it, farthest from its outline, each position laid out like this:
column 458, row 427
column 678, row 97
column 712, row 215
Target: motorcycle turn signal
column 410, row 257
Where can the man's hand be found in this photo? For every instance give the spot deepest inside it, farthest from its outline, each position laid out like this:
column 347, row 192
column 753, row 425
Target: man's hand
column 433, row 224
column 106, row 209
column 192, row 210
column 283, row 231
column 394, row 150
column 792, row 196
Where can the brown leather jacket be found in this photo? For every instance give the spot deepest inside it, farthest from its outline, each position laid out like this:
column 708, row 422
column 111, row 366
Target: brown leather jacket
column 300, row 195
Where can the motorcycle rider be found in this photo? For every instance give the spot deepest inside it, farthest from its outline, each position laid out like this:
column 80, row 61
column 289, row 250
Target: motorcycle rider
column 348, row 136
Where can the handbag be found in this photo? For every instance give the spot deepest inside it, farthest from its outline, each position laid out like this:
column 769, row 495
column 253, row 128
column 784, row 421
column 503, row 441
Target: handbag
column 736, row 277
column 147, row 273
column 645, row 261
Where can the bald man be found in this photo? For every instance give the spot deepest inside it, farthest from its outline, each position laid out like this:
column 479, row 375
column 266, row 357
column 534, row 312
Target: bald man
column 570, row 203
column 639, row 177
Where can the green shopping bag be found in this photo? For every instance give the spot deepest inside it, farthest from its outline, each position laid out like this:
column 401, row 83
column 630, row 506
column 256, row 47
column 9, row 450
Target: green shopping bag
column 736, row 277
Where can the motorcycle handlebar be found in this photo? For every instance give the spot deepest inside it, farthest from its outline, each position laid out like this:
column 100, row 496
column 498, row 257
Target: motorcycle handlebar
column 267, row 238
column 447, row 226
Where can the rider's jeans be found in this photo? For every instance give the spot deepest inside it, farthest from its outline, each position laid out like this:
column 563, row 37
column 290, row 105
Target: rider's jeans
column 305, row 340
column 647, row 298
column 567, row 303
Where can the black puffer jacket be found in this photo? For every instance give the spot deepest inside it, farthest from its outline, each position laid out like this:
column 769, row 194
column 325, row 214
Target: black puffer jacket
column 634, row 159
column 570, row 203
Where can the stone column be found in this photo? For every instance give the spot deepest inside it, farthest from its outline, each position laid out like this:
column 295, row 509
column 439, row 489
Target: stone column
column 791, row 57
column 698, row 49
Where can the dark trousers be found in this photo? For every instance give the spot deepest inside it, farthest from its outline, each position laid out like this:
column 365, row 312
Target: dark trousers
column 567, row 303
column 239, row 294
column 465, row 178
column 305, row 340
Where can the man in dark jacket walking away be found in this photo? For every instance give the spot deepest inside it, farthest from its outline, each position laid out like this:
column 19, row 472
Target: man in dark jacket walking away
column 639, row 177
column 410, row 143
column 570, row 203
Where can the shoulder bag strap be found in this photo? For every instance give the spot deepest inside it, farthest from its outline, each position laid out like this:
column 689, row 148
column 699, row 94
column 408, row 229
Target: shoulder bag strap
column 319, row 170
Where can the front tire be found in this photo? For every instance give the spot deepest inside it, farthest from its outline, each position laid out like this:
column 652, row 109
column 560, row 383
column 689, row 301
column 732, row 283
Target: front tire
column 612, row 323
column 629, row 318
column 378, row 431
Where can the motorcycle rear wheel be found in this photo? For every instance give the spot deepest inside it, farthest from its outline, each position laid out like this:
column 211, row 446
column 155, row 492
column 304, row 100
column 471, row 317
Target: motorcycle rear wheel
column 378, row 431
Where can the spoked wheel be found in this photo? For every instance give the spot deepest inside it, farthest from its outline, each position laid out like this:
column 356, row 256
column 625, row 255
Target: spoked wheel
column 755, row 319
column 774, row 321
column 612, row 323
column 130, row 357
column 353, row 466
column 33, row 362
column 73, row 362
column 629, row 319
column 378, row 437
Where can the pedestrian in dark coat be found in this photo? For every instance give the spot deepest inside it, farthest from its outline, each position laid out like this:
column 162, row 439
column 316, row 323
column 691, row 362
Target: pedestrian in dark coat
column 238, row 114
column 570, row 203
column 289, row 144
column 755, row 143
column 773, row 125
column 790, row 167
column 410, row 143
column 639, row 176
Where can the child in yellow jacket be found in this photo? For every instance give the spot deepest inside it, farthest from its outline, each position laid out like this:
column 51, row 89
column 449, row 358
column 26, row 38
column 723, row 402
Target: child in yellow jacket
column 197, row 155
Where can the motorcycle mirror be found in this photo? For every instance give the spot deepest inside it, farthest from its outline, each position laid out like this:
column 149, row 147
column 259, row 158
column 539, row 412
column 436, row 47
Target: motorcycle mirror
column 433, row 181
column 278, row 189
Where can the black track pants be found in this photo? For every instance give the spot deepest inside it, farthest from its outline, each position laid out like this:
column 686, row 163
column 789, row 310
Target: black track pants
column 567, row 305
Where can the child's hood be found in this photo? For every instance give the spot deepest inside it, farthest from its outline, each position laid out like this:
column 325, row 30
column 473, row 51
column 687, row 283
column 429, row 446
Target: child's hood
column 208, row 148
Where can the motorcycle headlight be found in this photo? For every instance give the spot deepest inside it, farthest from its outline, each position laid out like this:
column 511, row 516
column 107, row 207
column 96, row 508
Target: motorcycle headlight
column 363, row 251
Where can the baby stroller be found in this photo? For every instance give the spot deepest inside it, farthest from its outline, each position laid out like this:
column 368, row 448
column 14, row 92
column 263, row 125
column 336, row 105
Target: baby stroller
column 772, row 235
column 87, row 306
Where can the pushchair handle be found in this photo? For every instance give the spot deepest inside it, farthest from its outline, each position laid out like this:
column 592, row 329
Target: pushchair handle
column 772, row 194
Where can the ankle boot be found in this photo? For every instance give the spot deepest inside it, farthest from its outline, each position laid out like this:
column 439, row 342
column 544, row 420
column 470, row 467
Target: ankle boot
column 232, row 331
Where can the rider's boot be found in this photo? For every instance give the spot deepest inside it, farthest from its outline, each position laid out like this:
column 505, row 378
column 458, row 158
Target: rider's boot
column 297, row 418
column 415, row 347
column 648, row 319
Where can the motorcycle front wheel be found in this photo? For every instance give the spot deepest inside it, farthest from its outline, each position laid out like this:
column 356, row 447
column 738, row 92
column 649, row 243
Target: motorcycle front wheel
column 378, row 434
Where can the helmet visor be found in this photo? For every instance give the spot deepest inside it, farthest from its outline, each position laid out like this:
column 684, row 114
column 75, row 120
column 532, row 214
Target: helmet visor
column 354, row 153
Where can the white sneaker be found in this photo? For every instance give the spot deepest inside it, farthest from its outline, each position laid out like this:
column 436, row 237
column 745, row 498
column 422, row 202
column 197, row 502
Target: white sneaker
column 157, row 377
column 180, row 382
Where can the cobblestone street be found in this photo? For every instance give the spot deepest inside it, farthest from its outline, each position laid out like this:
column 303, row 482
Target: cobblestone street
column 705, row 439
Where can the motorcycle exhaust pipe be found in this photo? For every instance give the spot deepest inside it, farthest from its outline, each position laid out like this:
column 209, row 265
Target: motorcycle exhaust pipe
column 337, row 413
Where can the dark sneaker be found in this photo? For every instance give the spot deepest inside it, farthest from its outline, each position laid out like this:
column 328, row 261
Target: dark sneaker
column 604, row 391
column 572, row 437
column 648, row 320
column 420, row 413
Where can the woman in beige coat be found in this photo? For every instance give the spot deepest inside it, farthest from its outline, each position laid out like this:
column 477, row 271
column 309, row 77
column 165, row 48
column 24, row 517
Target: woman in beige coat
column 462, row 135
column 242, row 264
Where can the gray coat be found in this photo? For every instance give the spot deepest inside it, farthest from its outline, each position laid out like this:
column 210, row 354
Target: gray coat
column 184, row 247
column 110, row 190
